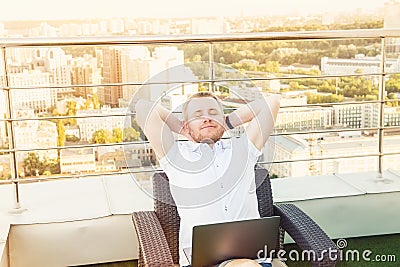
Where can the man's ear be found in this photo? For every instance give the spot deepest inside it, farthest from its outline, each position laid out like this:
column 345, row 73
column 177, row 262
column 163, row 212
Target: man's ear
column 185, row 131
column 185, row 128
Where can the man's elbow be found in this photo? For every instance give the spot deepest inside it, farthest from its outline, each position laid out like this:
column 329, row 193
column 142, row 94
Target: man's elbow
column 275, row 102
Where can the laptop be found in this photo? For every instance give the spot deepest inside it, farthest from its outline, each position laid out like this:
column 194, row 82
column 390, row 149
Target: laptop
column 215, row 243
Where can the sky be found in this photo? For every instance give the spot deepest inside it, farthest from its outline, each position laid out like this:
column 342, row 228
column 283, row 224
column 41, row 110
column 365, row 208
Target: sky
column 82, row 9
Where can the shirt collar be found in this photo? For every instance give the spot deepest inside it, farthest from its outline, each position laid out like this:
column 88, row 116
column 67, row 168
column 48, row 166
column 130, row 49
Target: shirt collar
column 222, row 143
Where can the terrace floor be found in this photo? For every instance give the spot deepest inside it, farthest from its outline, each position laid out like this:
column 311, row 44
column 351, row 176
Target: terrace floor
column 83, row 221
column 385, row 244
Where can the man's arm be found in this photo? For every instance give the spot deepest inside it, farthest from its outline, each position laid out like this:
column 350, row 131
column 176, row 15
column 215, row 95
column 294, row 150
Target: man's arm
column 261, row 114
column 157, row 123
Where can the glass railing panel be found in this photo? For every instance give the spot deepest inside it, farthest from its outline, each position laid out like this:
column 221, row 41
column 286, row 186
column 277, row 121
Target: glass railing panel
column 392, row 55
column 322, row 167
column 339, row 106
column 391, row 163
column 302, row 57
column 391, row 147
column 2, row 70
column 5, row 166
column 321, row 153
column 358, row 116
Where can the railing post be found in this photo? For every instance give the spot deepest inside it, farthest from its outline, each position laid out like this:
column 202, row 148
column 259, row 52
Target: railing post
column 211, row 68
column 11, row 137
column 381, row 117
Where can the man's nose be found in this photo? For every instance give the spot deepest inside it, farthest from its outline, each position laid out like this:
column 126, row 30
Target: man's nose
column 206, row 119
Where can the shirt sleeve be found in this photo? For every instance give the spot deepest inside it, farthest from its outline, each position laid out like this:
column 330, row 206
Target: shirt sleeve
column 165, row 162
column 253, row 151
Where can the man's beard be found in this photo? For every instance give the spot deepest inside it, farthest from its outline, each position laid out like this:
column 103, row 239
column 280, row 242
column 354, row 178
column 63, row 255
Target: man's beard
column 209, row 139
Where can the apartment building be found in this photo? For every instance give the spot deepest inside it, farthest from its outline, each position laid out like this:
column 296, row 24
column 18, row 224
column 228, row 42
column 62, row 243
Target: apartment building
column 107, row 118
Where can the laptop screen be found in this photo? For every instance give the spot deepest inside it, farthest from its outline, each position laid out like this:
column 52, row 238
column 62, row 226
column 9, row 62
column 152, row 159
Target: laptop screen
column 215, row 243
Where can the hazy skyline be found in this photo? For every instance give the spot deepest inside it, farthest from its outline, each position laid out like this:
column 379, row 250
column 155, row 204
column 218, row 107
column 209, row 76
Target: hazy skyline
column 82, row 9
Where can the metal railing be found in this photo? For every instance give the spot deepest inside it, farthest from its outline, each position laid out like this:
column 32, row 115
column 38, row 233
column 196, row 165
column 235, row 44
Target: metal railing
column 211, row 41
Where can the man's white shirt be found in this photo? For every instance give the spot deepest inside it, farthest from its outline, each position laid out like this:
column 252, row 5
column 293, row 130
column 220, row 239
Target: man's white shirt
column 211, row 185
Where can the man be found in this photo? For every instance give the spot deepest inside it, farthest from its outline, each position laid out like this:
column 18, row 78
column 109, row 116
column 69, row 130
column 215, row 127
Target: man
column 211, row 179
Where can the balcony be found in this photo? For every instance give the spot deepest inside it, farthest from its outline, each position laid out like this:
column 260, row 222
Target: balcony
column 337, row 160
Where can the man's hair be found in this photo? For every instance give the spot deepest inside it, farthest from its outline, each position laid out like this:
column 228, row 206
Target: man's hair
column 199, row 95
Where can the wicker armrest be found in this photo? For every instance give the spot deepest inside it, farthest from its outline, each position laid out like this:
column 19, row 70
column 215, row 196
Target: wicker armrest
column 308, row 235
column 153, row 246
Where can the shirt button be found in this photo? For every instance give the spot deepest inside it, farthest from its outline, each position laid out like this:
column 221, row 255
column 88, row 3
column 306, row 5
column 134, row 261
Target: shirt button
column 217, row 165
column 222, row 185
column 226, row 208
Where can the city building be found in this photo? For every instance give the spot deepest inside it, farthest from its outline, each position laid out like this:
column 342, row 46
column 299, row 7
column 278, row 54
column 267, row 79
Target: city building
column 155, row 26
column 295, row 67
column 85, row 71
column 112, row 76
column 121, row 158
column 77, row 160
column 5, row 170
column 116, row 26
column 365, row 115
column 270, row 84
column 289, row 148
column 209, row 26
column 392, row 116
column 159, row 71
column 296, row 98
column 135, row 69
column 340, row 146
column 360, row 64
column 174, row 101
column 304, row 118
column 391, row 20
column 44, row 29
column 31, row 134
column 107, row 119
column 106, row 166
column 62, row 105
column 84, row 29
column 351, row 116
column 55, row 62
column 143, row 152
column 39, row 99
column 72, row 132
column 19, row 58
column 245, row 92
column 347, row 146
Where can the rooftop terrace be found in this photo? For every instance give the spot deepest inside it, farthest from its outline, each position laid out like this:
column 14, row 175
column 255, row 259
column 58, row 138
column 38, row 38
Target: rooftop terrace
column 81, row 218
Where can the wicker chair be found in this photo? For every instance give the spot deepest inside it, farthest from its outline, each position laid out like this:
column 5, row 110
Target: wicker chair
column 157, row 230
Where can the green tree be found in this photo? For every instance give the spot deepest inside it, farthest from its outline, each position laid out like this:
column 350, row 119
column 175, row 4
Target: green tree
column 136, row 126
column 71, row 111
column 96, row 102
column 130, row 134
column 32, row 163
column 196, row 58
column 116, row 135
column 271, row 66
column 53, row 166
column 101, row 137
column 55, row 112
column 317, row 99
column 60, row 132
column 88, row 104
column 392, row 96
column 393, row 84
